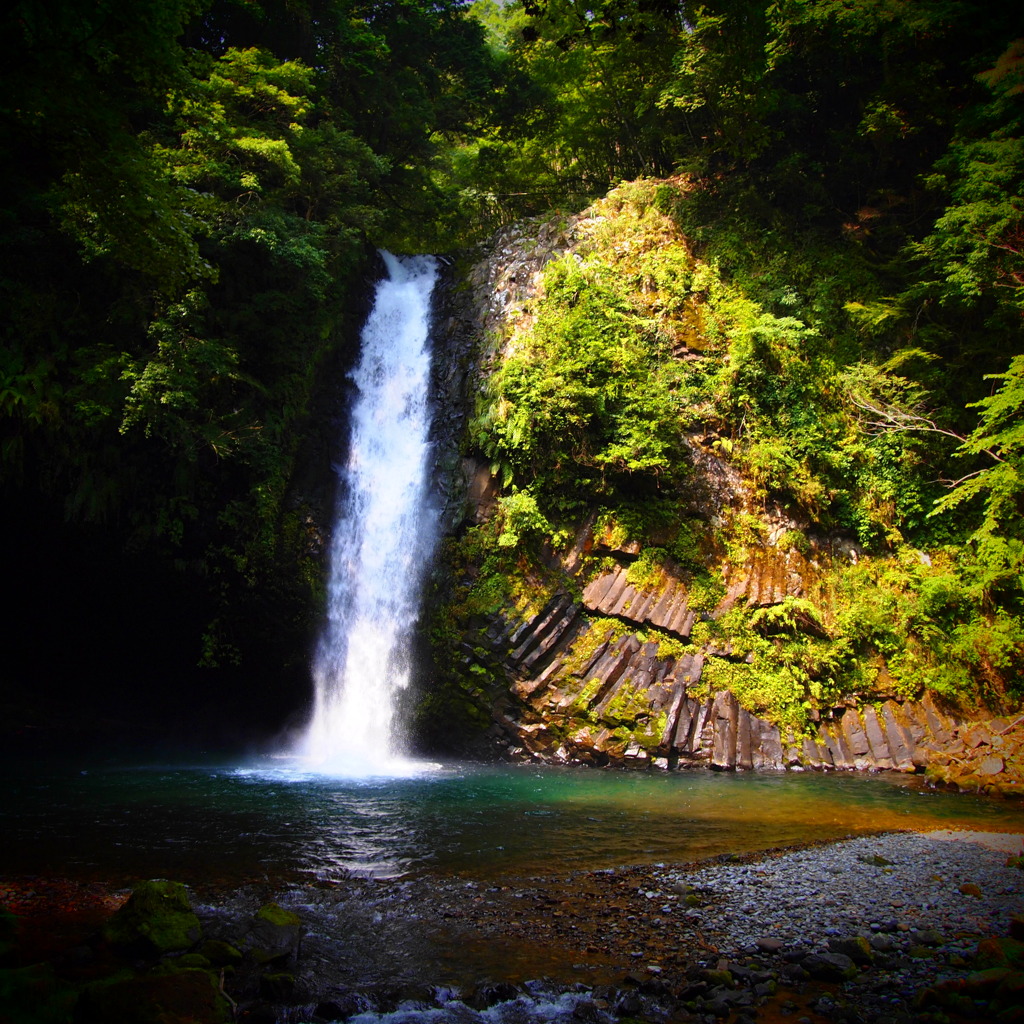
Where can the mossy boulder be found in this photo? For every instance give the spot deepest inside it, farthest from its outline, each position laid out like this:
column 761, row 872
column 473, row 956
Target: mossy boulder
column 35, row 995
column 157, row 919
column 718, row 976
column 220, row 953
column 277, row 986
column 165, row 996
column 274, row 934
column 193, row 960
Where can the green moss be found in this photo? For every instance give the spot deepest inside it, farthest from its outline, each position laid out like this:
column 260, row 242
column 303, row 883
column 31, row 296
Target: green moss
column 649, row 570
column 275, row 914
column 669, row 646
column 627, row 706
column 794, row 540
column 649, row 734
column 220, row 953
column 581, row 704
column 600, row 631
column 706, row 591
column 167, row 994
column 616, row 528
column 157, row 917
column 35, row 995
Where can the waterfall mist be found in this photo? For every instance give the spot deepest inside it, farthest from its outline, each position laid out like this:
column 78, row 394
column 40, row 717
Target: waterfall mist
column 383, row 538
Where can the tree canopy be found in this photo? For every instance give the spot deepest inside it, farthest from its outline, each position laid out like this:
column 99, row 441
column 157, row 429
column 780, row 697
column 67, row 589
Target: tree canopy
column 193, row 190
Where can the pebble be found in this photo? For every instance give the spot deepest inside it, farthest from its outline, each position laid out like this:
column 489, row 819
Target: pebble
column 788, row 921
column 779, row 891
column 936, row 924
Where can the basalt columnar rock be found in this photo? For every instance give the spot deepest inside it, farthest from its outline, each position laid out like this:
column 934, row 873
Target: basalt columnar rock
column 623, row 701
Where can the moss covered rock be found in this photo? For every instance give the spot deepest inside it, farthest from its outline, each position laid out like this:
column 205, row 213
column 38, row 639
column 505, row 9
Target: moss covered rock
column 166, row 996
column 156, row 919
column 35, row 995
column 275, row 934
column 220, row 953
column 277, row 986
column 856, row 947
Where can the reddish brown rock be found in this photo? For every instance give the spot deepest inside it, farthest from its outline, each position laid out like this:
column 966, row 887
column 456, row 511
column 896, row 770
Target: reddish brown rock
column 940, row 726
column 875, row 733
column 975, row 736
column 854, row 734
column 899, row 741
column 725, row 719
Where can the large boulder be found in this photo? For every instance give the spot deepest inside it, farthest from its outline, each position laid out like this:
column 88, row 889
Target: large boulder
column 274, row 934
column 157, row 919
column 163, row 996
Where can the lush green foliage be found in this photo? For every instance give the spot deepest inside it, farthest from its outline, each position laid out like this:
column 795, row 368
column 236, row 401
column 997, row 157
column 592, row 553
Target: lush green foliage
column 590, row 403
column 842, row 355
column 818, row 280
column 192, row 193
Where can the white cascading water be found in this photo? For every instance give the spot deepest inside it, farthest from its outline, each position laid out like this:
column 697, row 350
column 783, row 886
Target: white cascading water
column 384, row 534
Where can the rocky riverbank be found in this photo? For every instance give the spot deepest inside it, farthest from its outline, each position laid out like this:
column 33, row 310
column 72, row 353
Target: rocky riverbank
column 884, row 928
column 907, row 927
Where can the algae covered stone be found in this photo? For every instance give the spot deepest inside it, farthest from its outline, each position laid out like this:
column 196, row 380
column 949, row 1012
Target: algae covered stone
column 856, row 947
column 221, row 953
column 169, row 996
column 35, row 995
column 278, row 987
column 157, row 918
column 274, row 934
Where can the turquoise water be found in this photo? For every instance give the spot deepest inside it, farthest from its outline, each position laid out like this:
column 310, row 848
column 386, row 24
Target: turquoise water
column 237, row 822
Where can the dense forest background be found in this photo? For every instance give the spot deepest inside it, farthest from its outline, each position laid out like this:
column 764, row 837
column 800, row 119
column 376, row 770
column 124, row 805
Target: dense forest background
column 193, row 193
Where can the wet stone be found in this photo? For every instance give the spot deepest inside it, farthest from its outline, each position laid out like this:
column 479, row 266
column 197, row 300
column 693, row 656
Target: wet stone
column 157, row 918
column 829, row 966
column 856, row 947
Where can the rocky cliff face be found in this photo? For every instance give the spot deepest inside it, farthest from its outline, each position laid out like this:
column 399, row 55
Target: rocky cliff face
column 596, row 656
column 580, row 683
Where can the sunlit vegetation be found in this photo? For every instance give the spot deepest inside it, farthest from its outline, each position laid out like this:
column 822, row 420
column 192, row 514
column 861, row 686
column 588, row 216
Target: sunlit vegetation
column 815, row 275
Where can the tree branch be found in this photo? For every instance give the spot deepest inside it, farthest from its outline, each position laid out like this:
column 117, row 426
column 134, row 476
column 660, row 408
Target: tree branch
column 889, row 419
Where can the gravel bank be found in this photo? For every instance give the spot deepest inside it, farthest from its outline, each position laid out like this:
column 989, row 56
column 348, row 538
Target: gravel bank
column 882, row 918
column 955, row 883
column 883, row 929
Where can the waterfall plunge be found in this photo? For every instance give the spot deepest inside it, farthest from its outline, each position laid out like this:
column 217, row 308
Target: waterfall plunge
column 384, row 534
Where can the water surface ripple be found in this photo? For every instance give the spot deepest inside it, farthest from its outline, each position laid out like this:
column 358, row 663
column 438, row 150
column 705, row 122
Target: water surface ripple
column 236, row 823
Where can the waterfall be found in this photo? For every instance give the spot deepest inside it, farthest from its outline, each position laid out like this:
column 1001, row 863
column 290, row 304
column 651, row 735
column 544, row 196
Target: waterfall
column 384, row 534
